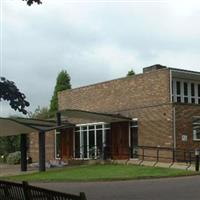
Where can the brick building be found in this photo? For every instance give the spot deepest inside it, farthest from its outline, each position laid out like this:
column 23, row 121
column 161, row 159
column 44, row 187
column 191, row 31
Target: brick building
column 160, row 108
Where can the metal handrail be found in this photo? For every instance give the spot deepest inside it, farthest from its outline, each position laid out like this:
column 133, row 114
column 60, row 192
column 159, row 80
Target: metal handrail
column 142, row 152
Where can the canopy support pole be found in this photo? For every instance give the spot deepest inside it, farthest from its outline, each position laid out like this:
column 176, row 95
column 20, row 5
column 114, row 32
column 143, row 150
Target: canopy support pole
column 58, row 123
column 42, row 163
column 23, row 148
column 58, row 118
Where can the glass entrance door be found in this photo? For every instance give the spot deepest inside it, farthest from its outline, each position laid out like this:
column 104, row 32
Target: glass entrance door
column 90, row 140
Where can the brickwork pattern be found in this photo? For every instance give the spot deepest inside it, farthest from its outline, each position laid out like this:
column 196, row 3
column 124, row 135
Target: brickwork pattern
column 146, row 89
column 184, row 114
column 155, row 125
column 34, row 147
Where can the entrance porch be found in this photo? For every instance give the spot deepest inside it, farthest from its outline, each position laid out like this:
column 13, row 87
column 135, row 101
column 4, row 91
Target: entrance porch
column 115, row 137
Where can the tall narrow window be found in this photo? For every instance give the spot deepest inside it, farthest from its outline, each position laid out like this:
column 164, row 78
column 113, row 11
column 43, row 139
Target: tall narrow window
column 77, row 145
column 178, row 91
column 173, row 91
column 185, row 92
column 85, row 144
column 192, row 93
column 198, row 93
column 196, row 133
column 92, row 143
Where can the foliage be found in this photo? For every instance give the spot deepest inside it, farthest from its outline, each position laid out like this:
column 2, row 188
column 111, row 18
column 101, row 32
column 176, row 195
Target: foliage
column 41, row 113
column 9, row 144
column 102, row 172
column 130, row 73
column 14, row 158
column 62, row 83
column 30, row 2
column 3, row 158
column 9, row 92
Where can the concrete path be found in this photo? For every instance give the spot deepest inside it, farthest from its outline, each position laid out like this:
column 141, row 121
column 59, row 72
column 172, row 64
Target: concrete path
column 7, row 170
column 10, row 170
column 184, row 188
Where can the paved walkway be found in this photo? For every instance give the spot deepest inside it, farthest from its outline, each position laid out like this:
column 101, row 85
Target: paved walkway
column 6, row 170
column 9, row 170
column 185, row 188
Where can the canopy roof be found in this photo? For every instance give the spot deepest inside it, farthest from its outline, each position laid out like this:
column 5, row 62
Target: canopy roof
column 103, row 117
column 16, row 126
column 185, row 74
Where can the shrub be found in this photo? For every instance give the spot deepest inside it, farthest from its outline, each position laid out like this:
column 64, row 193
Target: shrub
column 14, row 158
column 3, row 158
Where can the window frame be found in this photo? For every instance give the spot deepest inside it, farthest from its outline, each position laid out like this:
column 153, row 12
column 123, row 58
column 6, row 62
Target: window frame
column 103, row 128
column 195, row 135
column 188, row 95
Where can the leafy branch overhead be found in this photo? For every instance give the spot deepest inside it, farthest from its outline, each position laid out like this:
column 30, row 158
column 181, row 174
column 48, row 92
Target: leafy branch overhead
column 9, row 92
column 30, row 2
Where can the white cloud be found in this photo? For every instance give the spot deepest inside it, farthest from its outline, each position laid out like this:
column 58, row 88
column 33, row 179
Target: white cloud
column 94, row 41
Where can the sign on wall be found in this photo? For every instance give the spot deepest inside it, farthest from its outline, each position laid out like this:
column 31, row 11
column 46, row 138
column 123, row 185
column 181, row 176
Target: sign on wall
column 184, row 138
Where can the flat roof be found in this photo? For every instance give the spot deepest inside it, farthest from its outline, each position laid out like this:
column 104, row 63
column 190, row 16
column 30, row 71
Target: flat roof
column 179, row 73
column 96, row 116
column 17, row 126
column 185, row 74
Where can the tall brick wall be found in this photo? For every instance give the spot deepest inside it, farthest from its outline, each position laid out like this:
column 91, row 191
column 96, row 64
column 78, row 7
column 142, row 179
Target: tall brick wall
column 145, row 96
column 148, row 89
column 155, row 125
column 184, row 114
column 34, row 147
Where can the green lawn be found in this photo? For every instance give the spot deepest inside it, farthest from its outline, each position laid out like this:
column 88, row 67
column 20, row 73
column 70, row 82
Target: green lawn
column 101, row 173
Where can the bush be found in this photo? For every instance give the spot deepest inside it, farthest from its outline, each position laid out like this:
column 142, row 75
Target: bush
column 3, row 158
column 14, row 158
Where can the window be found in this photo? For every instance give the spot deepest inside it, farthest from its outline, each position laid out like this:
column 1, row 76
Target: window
column 185, row 91
column 185, row 85
column 198, row 93
column 196, row 133
column 178, row 87
column 192, row 93
column 77, row 144
column 90, row 139
column 178, row 91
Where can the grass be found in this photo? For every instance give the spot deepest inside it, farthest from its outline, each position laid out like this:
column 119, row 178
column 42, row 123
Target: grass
column 100, row 173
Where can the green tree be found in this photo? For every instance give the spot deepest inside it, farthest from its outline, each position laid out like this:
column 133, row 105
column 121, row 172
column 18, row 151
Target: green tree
column 130, row 73
column 9, row 144
column 62, row 83
column 40, row 113
column 10, row 92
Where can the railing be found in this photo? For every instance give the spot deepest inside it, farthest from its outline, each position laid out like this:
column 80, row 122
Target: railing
column 24, row 191
column 165, row 154
column 157, row 154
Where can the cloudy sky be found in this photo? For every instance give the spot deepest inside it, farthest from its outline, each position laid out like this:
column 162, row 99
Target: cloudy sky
column 93, row 40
